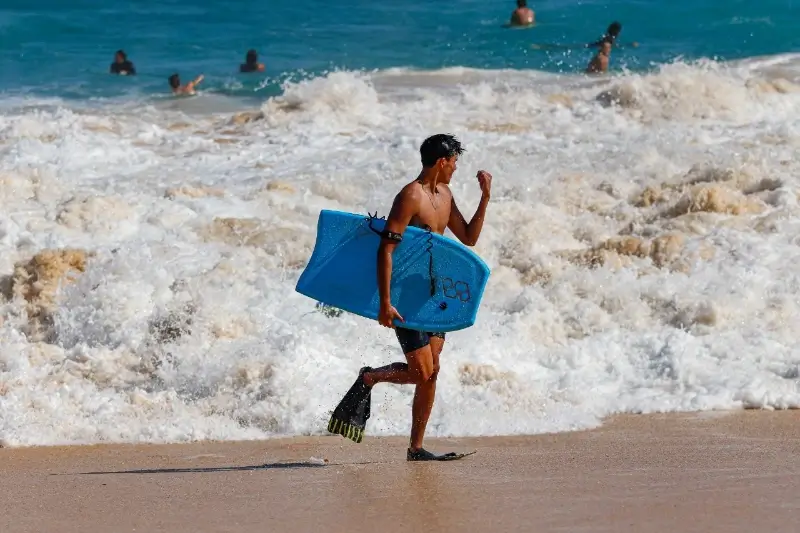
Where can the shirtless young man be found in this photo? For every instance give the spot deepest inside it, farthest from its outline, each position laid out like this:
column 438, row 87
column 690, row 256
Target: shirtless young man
column 426, row 201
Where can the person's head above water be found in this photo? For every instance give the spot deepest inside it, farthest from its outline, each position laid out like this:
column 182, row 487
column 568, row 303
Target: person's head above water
column 251, row 63
column 121, row 65
column 613, row 29
column 440, row 152
column 522, row 3
column 174, row 81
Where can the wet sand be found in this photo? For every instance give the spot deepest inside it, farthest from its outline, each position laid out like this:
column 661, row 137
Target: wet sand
column 713, row 472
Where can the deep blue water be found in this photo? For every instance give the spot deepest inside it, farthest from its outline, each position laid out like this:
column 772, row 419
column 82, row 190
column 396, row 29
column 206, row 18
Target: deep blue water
column 58, row 48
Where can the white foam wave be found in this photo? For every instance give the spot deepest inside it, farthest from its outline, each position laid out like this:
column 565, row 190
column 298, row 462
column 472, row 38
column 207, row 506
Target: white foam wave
column 642, row 236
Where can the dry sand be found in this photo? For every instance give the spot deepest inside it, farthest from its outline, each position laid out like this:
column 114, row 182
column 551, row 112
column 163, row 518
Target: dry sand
column 714, row 472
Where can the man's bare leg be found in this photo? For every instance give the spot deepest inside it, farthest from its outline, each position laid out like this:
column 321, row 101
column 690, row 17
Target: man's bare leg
column 422, row 369
column 397, row 373
column 424, row 394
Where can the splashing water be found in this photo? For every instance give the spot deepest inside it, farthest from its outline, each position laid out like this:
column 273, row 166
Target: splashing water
column 642, row 236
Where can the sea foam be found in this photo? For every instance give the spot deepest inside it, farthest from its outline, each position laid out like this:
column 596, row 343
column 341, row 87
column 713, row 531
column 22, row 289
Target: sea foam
column 642, row 235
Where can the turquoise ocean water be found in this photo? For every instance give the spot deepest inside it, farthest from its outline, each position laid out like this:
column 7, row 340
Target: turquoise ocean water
column 63, row 49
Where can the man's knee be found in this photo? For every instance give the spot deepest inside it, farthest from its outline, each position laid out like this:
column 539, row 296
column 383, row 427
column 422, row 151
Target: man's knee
column 423, row 363
column 421, row 375
column 425, row 374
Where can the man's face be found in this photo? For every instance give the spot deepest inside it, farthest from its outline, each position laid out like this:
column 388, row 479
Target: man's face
column 447, row 165
column 118, row 58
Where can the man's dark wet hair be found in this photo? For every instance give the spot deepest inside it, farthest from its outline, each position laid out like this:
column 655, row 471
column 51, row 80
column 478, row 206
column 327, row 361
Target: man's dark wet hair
column 251, row 57
column 522, row 3
column 438, row 146
column 174, row 81
column 610, row 36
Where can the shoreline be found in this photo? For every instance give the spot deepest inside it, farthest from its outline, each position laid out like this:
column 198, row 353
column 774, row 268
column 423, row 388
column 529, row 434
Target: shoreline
column 712, row 471
column 627, row 419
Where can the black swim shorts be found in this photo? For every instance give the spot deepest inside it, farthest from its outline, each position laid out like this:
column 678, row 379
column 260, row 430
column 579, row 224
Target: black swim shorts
column 411, row 339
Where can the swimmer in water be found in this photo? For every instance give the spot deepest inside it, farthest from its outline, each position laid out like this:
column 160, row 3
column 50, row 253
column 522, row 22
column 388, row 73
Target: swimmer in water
column 121, row 65
column 599, row 62
column 251, row 63
column 523, row 15
column 188, row 89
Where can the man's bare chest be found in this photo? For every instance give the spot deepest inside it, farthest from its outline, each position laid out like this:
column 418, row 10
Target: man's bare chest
column 434, row 217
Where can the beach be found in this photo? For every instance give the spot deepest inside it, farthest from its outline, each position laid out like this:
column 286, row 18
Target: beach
column 633, row 365
column 695, row 472
column 641, row 234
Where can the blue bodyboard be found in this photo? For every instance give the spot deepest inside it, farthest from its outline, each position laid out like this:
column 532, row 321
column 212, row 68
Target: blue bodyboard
column 437, row 283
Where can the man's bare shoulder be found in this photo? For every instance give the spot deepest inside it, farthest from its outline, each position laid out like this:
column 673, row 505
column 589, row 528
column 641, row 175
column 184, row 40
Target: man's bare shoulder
column 406, row 202
column 411, row 192
column 445, row 191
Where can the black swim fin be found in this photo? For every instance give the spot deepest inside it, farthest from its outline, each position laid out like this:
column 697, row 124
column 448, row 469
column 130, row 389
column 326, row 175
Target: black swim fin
column 350, row 417
column 424, row 455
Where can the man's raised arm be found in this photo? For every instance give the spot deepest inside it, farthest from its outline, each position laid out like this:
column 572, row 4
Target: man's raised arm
column 468, row 233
